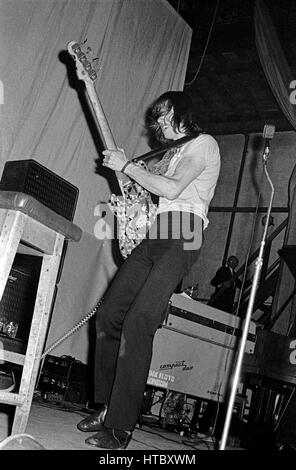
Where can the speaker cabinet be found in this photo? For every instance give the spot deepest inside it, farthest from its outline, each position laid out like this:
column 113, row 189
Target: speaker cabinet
column 18, row 300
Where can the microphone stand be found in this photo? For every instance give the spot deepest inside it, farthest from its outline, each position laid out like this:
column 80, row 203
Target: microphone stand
column 259, row 261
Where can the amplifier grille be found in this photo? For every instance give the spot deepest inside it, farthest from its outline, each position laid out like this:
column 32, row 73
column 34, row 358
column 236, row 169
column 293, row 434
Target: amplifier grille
column 32, row 178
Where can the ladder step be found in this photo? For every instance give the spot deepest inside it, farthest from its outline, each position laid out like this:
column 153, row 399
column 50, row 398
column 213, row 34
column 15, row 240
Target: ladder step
column 10, row 398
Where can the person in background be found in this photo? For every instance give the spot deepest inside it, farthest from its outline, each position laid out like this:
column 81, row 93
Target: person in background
column 223, row 279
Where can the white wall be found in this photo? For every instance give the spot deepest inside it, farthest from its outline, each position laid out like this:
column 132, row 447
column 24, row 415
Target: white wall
column 143, row 50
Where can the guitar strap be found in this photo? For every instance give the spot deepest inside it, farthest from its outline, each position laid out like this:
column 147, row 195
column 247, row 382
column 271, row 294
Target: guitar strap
column 175, row 144
column 161, row 166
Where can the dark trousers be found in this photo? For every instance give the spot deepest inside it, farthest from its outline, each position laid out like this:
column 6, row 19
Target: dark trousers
column 132, row 310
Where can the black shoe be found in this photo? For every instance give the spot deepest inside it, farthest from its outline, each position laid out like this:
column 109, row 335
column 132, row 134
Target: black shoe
column 111, row 439
column 94, row 422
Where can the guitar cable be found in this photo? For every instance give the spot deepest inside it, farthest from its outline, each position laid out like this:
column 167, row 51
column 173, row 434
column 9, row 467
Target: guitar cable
column 76, row 327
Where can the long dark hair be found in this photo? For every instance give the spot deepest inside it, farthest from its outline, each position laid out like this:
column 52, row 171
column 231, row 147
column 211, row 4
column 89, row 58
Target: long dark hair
column 184, row 114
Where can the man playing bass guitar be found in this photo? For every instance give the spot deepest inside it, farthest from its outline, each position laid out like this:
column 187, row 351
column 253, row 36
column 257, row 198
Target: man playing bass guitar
column 133, row 307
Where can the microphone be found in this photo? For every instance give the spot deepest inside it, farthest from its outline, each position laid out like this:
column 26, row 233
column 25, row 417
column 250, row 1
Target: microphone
column 268, row 134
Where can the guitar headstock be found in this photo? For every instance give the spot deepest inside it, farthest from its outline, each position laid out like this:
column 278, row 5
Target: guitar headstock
column 84, row 68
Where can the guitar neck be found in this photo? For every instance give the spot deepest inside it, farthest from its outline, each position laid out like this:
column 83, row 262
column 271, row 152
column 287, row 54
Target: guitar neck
column 105, row 131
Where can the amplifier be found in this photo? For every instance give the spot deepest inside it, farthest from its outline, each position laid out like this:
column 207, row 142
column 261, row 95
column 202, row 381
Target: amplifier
column 195, row 349
column 274, row 357
column 18, row 300
column 64, row 376
column 32, row 178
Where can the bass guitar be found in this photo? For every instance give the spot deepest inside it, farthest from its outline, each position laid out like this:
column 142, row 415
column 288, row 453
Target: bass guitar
column 134, row 208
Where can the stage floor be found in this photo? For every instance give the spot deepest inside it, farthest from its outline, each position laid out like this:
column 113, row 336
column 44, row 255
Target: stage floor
column 53, row 426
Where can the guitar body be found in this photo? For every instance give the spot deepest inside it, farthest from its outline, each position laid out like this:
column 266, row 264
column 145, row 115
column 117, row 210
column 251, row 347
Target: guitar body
column 134, row 208
column 135, row 212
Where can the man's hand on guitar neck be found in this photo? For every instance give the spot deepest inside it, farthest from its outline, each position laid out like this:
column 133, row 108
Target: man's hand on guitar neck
column 115, row 159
